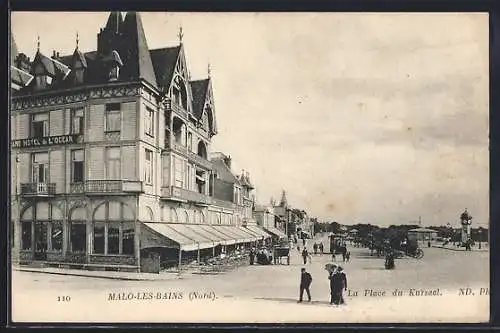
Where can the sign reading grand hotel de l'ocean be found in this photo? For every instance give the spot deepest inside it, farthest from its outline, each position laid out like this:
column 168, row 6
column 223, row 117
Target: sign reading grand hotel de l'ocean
column 48, row 141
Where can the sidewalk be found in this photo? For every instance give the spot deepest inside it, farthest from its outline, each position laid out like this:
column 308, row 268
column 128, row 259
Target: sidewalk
column 105, row 274
column 462, row 249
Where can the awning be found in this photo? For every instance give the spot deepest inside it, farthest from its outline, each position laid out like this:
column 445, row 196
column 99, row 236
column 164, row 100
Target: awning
column 258, row 230
column 276, row 232
column 236, row 233
column 225, row 238
column 188, row 237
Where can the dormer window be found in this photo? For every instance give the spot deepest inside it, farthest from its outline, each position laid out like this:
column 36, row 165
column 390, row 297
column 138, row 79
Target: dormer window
column 115, row 63
column 114, row 73
column 43, row 81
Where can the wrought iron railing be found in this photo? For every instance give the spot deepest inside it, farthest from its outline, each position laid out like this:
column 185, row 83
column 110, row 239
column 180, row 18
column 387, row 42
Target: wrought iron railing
column 184, row 194
column 172, row 106
column 38, row 189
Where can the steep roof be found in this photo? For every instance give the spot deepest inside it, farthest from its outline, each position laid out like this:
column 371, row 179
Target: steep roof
column 135, row 52
column 114, row 22
column 199, row 89
column 164, row 61
column 223, row 171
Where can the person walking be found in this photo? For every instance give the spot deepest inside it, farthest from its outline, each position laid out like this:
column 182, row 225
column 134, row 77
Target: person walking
column 315, row 248
column 305, row 254
column 334, row 282
column 321, row 248
column 252, row 256
column 333, row 256
column 344, row 251
column 305, row 284
column 348, row 256
column 343, row 282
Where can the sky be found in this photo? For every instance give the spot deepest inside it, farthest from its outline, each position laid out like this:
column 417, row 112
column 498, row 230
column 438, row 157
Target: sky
column 361, row 117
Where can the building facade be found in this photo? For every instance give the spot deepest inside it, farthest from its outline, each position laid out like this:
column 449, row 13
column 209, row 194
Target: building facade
column 110, row 154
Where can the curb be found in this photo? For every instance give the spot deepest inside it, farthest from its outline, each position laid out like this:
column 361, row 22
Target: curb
column 452, row 249
column 93, row 276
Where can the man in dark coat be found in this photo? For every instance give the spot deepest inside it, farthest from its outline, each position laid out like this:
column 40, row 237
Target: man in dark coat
column 338, row 282
column 343, row 280
column 252, row 256
column 305, row 283
column 305, row 254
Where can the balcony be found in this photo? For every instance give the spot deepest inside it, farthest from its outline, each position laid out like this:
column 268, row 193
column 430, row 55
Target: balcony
column 176, row 147
column 176, row 108
column 199, row 160
column 99, row 187
column 38, row 189
column 181, row 194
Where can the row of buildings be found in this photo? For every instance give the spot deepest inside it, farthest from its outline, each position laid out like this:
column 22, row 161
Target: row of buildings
column 111, row 158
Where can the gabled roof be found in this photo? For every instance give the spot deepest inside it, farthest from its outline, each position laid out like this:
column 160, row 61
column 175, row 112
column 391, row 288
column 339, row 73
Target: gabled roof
column 223, row 171
column 135, row 53
column 114, row 22
column 78, row 56
column 199, row 89
column 164, row 61
column 46, row 62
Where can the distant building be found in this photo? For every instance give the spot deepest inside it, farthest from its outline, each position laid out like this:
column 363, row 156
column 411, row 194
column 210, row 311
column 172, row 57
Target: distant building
column 422, row 234
column 264, row 215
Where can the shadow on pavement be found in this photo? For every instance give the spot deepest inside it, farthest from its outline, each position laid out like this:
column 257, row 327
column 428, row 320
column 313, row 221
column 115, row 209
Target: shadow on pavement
column 292, row 300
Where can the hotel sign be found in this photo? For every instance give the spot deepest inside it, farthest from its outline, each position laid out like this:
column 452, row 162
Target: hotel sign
column 48, row 141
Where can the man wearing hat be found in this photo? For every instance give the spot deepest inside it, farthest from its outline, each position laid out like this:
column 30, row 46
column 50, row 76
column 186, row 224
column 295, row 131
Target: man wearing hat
column 305, row 283
column 343, row 281
column 332, row 270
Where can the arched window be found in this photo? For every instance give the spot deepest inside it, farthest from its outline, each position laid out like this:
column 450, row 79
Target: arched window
column 202, row 149
column 113, row 229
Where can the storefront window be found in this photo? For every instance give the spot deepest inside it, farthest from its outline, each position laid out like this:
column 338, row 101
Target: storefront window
column 99, row 238
column 113, row 238
column 57, row 237
column 128, row 238
column 26, row 235
column 78, row 232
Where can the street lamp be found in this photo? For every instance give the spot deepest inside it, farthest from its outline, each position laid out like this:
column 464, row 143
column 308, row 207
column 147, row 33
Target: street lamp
column 480, row 231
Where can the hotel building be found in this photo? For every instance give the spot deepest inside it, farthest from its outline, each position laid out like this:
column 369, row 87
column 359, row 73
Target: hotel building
column 110, row 157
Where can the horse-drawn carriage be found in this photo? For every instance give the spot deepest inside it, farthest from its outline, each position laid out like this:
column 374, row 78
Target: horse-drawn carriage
column 281, row 253
column 410, row 249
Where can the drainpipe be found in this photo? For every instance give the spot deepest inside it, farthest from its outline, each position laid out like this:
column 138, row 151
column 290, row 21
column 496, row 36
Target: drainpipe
column 137, row 238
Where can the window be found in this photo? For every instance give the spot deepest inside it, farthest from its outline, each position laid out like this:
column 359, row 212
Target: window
column 78, row 237
column 40, row 125
column 42, row 81
column 26, row 235
column 188, row 178
column 128, row 238
column 148, row 167
column 113, row 238
column 114, row 73
column 77, row 166
column 149, row 122
column 190, row 141
column 77, row 123
column 40, row 167
column 99, row 243
column 56, row 236
column 113, row 117
column 113, row 163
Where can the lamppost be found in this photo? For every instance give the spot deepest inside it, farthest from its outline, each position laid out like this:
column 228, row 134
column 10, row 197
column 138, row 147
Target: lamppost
column 480, row 231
